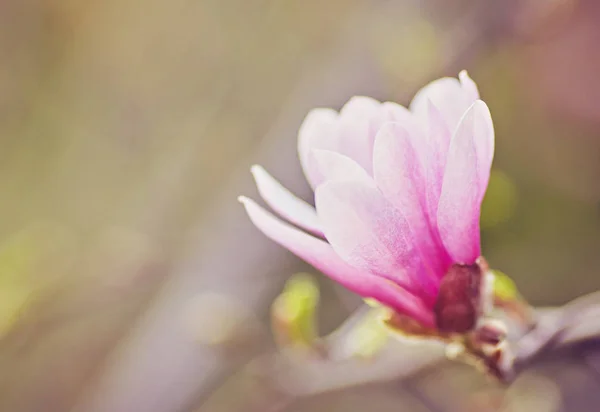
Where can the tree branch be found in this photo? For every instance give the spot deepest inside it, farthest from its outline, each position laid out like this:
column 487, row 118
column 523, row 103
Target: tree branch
column 289, row 378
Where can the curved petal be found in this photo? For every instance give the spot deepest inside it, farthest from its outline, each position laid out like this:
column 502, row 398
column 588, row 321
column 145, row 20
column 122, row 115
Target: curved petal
column 446, row 93
column 335, row 166
column 319, row 254
column 318, row 131
column 465, row 181
column 451, row 96
column 438, row 138
column 397, row 113
column 484, row 130
column 398, row 160
column 468, row 86
column 398, row 169
column 393, row 112
column 368, row 232
column 359, row 122
column 351, row 132
column 285, row 203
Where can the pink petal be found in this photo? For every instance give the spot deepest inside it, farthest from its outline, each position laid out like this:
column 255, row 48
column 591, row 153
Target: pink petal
column 465, row 181
column 285, row 203
column 318, row 131
column 398, row 170
column 438, row 138
column 336, row 166
column 484, row 130
column 368, row 232
column 357, row 130
column 450, row 97
column 423, row 144
column 398, row 159
column 319, row 254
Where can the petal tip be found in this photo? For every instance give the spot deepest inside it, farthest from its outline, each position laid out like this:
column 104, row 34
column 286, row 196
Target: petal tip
column 257, row 170
column 359, row 103
column 318, row 115
column 468, row 85
column 481, row 104
column 480, row 108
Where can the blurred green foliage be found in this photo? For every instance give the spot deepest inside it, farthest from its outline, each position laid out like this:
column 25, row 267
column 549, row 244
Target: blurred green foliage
column 32, row 261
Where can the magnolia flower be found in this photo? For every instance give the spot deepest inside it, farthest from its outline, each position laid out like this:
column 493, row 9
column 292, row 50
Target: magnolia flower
column 398, row 194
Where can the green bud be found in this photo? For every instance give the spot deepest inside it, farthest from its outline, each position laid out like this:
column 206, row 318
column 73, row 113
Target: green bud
column 294, row 312
column 504, row 287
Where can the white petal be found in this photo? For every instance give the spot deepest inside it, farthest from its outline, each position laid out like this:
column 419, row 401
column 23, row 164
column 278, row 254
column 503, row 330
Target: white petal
column 336, row 166
column 359, row 122
column 285, row 203
column 318, row 131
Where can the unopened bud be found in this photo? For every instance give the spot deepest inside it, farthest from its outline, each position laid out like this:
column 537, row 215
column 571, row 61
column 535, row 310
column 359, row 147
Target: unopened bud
column 504, row 287
column 293, row 314
column 460, row 302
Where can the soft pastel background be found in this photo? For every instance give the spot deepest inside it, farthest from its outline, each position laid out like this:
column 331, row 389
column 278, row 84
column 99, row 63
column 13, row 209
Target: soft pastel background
column 131, row 279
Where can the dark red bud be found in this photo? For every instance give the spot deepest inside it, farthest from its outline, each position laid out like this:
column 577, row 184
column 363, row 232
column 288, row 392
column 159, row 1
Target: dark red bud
column 458, row 305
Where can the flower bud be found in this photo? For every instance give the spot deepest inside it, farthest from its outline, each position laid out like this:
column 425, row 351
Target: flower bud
column 293, row 314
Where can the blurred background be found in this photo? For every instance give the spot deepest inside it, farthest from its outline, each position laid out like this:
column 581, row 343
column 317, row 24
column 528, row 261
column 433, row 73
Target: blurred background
column 131, row 279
